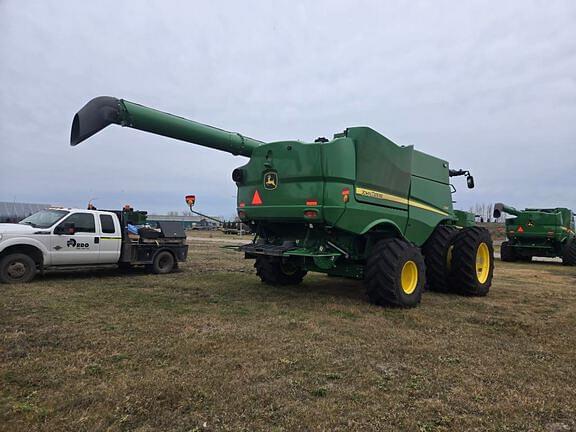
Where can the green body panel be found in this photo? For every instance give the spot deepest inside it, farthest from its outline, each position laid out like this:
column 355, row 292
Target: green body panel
column 330, row 200
column 465, row 219
column 538, row 232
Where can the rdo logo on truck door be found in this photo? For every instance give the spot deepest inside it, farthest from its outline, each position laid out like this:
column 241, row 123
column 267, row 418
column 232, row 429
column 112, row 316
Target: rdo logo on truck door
column 77, row 245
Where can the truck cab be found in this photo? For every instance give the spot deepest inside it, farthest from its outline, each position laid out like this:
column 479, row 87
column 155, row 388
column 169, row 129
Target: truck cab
column 58, row 237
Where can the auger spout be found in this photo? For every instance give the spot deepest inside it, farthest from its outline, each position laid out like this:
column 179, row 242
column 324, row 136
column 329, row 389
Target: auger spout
column 500, row 208
column 103, row 111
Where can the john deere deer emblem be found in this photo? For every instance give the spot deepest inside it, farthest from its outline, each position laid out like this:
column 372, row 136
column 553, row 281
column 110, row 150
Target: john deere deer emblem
column 270, row 180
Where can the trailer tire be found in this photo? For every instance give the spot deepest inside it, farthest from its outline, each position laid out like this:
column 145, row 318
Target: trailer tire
column 163, row 262
column 507, row 254
column 273, row 271
column 569, row 255
column 437, row 256
column 395, row 274
column 472, row 262
column 17, row 268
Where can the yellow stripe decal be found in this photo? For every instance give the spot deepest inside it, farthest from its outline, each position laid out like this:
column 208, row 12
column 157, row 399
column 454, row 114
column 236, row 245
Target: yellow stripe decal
column 394, row 198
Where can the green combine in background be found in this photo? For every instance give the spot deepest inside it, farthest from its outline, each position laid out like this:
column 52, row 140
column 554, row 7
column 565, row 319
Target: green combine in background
column 538, row 233
column 356, row 206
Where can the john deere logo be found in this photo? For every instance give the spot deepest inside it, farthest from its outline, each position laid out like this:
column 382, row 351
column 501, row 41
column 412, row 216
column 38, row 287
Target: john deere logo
column 271, row 180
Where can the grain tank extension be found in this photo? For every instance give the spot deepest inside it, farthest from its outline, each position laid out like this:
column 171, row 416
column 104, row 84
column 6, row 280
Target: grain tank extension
column 356, row 206
column 538, row 233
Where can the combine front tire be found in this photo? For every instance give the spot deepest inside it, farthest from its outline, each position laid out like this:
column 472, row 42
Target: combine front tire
column 569, row 255
column 507, row 254
column 275, row 271
column 437, row 256
column 395, row 274
column 472, row 262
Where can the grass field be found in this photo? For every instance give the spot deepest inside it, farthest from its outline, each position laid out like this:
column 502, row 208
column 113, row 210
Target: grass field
column 211, row 348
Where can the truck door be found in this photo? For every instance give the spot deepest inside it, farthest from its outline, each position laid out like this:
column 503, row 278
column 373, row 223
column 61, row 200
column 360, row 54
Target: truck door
column 82, row 247
column 110, row 240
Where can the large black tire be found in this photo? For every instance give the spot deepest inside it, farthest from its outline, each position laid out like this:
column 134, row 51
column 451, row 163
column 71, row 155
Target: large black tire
column 17, row 268
column 569, row 253
column 275, row 271
column 437, row 255
column 163, row 263
column 395, row 274
column 472, row 262
column 507, row 254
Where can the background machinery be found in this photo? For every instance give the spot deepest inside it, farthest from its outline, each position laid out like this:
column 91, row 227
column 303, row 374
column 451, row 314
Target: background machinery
column 356, row 206
column 538, row 232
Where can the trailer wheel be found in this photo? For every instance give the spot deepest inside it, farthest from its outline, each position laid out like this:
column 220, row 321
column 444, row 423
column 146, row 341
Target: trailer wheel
column 472, row 262
column 569, row 255
column 17, row 268
column 275, row 271
column 507, row 254
column 163, row 263
column 395, row 274
column 438, row 256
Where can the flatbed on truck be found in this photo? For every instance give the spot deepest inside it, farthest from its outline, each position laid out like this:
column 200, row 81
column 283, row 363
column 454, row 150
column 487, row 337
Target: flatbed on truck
column 64, row 237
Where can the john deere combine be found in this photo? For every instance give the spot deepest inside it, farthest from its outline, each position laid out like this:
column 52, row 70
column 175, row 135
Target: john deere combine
column 356, row 206
column 538, row 233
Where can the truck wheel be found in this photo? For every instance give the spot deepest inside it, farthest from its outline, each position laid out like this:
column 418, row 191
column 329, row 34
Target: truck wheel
column 163, row 263
column 395, row 274
column 17, row 268
column 438, row 256
column 569, row 255
column 274, row 271
column 472, row 262
column 507, row 254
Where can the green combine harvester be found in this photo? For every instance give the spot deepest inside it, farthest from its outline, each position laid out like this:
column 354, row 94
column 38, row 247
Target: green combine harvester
column 356, row 206
column 538, row 233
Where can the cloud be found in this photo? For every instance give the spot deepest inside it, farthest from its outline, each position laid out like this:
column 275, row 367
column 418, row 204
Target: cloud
column 489, row 87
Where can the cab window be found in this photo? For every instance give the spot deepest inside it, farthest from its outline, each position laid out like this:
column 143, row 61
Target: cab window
column 107, row 224
column 83, row 222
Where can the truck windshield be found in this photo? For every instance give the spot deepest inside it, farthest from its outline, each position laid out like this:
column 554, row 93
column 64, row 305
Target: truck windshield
column 44, row 218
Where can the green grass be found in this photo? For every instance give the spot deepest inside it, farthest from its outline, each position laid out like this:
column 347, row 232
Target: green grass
column 106, row 351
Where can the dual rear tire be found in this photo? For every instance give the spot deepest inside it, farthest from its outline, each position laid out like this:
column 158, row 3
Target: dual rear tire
column 459, row 261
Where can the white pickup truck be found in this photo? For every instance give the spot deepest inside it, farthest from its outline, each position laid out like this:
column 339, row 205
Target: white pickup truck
column 58, row 237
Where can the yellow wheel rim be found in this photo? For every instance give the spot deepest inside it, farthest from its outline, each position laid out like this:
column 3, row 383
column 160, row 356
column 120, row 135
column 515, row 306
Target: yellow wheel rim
column 482, row 263
column 409, row 277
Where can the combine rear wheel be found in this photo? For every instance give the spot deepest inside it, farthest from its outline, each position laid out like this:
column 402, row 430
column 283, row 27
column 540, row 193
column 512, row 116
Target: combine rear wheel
column 438, row 255
column 395, row 274
column 275, row 271
column 472, row 262
column 507, row 254
column 569, row 255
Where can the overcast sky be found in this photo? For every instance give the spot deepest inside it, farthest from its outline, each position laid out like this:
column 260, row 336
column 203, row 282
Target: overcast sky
column 489, row 86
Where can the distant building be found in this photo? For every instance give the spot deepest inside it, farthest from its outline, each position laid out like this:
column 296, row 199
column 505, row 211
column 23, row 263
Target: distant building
column 188, row 222
column 16, row 211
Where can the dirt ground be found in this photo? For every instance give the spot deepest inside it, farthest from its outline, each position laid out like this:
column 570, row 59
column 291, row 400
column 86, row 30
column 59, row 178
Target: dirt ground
column 211, row 348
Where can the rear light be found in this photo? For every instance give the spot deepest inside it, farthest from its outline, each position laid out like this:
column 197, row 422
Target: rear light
column 242, row 204
column 520, row 230
column 311, row 203
column 311, row 214
column 345, row 195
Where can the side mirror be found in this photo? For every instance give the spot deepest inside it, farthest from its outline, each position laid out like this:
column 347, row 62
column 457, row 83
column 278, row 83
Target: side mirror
column 470, row 182
column 67, row 228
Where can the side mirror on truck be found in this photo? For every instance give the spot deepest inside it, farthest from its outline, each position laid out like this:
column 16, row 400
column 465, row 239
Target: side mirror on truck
column 67, row 228
column 470, row 182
